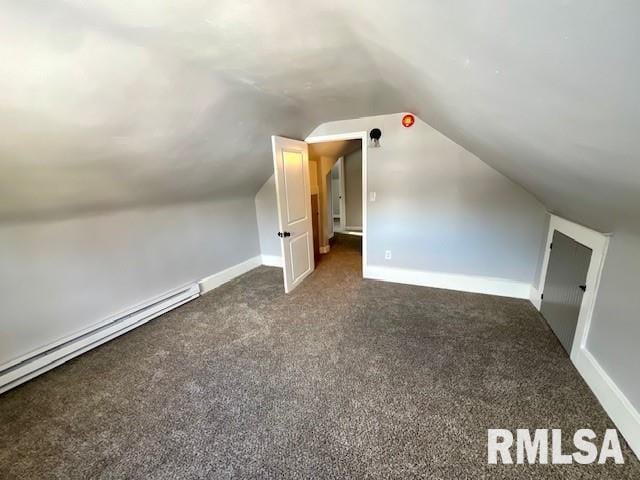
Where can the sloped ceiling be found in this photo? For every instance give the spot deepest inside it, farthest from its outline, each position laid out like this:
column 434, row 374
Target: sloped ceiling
column 113, row 103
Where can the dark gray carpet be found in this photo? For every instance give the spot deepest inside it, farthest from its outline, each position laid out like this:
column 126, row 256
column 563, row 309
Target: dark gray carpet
column 344, row 378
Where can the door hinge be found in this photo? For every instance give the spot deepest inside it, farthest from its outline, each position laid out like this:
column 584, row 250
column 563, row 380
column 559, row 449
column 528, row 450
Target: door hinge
column 551, row 246
column 284, row 234
column 583, row 288
column 541, row 296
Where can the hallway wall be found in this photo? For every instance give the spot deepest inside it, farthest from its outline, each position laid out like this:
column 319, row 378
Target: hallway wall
column 353, row 189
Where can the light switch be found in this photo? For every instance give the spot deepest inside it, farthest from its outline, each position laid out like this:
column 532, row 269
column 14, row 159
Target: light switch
column 372, row 196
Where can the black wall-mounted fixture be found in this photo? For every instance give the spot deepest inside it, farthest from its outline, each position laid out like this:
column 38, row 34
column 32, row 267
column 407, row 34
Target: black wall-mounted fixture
column 375, row 135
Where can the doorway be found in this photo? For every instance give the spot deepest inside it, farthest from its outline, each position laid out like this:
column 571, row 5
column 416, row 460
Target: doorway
column 339, row 170
column 346, row 193
column 337, row 197
column 595, row 242
column 304, row 192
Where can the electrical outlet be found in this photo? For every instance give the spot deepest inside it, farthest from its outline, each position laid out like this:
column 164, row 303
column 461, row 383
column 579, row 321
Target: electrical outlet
column 387, row 254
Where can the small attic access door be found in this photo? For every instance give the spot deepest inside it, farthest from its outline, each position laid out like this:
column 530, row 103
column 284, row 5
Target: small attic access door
column 596, row 244
column 564, row 287
column 291, row 168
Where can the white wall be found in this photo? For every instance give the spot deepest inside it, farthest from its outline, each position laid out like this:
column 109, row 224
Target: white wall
column 353, row 189
column 608, row 357
column 335, row 195
column 325, row 166
column 441, row 209
column 60, row 277
column 614, row 335
column 266, row 204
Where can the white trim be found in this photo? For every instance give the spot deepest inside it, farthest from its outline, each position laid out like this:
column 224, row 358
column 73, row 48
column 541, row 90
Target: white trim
column 355, row 228
column 50, row 356
column 352, row 232
column 362, row 135
column 464, row 283
column 35, row 363
column 214, row 281
column 615, row 403
column 334, row 137
column 613, row 400
column 325, row 248
column 534, row 297
column 598, row 243
column 272, row 260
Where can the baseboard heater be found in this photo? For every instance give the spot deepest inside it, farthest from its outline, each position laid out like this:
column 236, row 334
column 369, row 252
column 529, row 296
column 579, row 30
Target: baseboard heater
column 39, row 361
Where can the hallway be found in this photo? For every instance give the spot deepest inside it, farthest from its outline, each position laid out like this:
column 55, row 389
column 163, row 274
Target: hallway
column 343, row 378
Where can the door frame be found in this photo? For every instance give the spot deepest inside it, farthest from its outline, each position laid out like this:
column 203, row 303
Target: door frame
column 342, row 195
column 328, row 185
column 365, row 192
column 599, row 244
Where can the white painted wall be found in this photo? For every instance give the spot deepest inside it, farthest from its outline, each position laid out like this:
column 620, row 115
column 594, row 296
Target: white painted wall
column 60, row 277
column 335, row 195
column 353, row 189
column 614, row 336
column 267, row 217
column 441, row 209
column 325, row 166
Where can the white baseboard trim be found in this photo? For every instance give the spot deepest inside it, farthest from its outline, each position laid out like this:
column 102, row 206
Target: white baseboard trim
column 272, row 260
column 50, row 356
column 463, row 283
column 214, row 281
column 615, row 403
column 355, row 228
column 535, row 298
column 325, row 248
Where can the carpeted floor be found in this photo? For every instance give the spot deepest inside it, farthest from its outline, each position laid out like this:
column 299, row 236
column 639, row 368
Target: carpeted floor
column 343, row 378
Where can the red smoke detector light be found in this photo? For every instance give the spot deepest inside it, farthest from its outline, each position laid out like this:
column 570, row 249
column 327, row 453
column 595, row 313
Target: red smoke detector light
column 408, row 120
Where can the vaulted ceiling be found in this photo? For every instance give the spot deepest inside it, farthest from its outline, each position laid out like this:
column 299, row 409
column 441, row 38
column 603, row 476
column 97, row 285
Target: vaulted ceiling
column 114, row 103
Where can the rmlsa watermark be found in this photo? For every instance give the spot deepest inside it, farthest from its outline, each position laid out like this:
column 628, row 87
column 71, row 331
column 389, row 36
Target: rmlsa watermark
column 536, row 447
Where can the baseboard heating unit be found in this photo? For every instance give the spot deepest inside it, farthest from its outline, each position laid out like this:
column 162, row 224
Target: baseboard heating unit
column 39, row 361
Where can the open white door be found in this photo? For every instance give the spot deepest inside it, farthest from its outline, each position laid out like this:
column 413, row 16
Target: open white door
column 291, row 166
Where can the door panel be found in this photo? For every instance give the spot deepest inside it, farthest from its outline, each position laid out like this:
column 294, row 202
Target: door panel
column 291, row 166
column 562, row 297
column 294, row 180
column 300, row 264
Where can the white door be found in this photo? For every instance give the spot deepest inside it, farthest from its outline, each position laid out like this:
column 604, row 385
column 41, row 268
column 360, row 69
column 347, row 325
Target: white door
column 291, row 166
